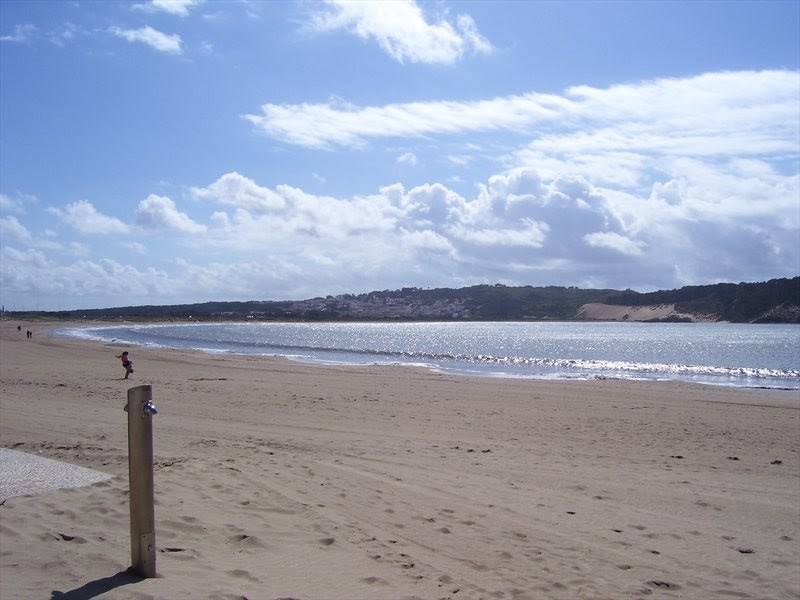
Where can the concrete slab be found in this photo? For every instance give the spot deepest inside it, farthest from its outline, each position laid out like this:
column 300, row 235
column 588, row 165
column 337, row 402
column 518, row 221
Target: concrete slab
column 23, row 474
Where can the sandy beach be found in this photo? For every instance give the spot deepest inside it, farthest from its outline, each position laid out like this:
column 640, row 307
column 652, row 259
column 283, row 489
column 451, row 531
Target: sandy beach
column 276, row 479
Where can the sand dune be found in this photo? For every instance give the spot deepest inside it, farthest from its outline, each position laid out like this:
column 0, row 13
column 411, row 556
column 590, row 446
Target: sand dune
column 658, row 312
column 282, row 480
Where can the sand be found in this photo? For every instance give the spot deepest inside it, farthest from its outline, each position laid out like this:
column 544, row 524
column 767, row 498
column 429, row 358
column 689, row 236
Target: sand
column 616, row 312
column 276, row 479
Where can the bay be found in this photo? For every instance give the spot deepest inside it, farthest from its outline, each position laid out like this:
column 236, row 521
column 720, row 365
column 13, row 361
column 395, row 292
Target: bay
column 741, row 355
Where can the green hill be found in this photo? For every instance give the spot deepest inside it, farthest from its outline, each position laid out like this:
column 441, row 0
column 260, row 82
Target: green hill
column 774, row 301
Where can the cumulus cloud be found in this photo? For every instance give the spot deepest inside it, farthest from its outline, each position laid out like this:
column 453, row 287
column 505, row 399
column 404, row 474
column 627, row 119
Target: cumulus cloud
column 160, row 212
column 518, row 223
column 402, row 30
column 635, row 178
column 614, row 241
column 11, row 229
column 519, row 226
column 84, row 217
column 531, row 234
column 163, row 42
column 113, row 282
column 236, row 190
column 410, row 231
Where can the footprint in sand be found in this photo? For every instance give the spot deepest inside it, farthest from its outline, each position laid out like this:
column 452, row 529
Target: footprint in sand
column 519, row 535
column 242, row 574
column 374, row 581
column 664, row 585
column 245, row 541
column 179, row 554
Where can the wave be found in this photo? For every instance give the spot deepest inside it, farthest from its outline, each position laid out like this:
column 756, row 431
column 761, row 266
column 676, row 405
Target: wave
column 572, row 364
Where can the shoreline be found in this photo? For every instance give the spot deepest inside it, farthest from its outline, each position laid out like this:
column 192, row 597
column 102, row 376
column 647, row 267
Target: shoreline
column 275, row 478
column 583, row 373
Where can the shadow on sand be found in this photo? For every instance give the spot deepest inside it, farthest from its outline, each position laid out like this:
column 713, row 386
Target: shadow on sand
column 98, row 586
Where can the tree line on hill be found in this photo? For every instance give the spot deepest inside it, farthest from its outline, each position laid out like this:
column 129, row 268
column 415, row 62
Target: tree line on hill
column 774, row 301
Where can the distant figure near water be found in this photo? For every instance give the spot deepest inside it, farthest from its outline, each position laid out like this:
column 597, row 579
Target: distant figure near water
column 126, row 362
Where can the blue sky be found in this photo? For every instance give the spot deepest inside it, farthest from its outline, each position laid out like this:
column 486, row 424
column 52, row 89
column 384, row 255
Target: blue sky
column 161, row 152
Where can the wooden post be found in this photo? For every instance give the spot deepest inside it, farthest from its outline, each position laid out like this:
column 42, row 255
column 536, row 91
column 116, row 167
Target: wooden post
column 140, row 468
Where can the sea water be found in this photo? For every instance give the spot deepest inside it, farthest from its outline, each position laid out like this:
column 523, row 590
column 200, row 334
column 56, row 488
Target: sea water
column 742, row 355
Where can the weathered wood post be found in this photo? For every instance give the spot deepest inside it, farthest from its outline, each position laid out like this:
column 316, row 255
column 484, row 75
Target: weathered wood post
column 140, row 468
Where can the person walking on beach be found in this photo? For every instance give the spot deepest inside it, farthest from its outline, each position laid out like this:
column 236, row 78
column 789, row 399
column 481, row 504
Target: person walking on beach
column 126, row 362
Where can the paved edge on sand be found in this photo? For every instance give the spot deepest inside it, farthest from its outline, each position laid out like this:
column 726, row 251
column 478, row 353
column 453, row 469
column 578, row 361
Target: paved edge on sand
column 23, row 474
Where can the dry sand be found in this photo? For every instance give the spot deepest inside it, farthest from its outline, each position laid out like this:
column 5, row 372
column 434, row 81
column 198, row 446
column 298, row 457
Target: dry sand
column 276, row 479
column 617, row 312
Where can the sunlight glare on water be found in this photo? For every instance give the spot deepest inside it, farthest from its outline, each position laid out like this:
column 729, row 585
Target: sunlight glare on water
column 719, row 353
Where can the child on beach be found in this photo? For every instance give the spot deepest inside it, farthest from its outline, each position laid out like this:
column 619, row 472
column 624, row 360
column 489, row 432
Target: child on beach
column 126, row 363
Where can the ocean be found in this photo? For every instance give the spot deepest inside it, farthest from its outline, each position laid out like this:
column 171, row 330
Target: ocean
column 741, row 355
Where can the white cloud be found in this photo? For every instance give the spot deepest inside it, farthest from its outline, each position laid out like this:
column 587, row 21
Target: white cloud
column 657, row 174
column 402, row 31
column 532, row 234
column 237, row 190
column 84, row 217
column 174, row 7
column 342, row 124
column 513, row 215
column 614, row 241
column 75, row 249
column 16, row 204
column 23, row 34
column 518, row 225
column 236, row 279
column 160, row 212
column 460, row 160
column 157, row 40
column 12, row 229
column 136, row 247
column 82, row 282
column 407, row 158
column 64, row 34
column 729, row 114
